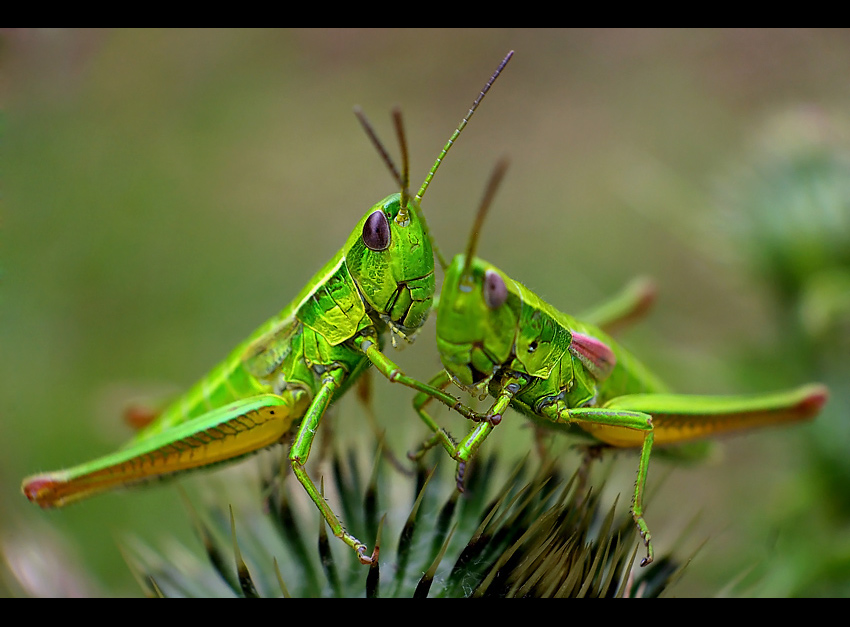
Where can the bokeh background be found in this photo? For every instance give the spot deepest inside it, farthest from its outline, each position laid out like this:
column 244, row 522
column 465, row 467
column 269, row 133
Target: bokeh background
column 164, row 192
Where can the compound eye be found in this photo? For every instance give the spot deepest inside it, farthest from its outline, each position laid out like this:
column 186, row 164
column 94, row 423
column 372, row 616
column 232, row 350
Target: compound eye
column 495, row 291
column 376, row 231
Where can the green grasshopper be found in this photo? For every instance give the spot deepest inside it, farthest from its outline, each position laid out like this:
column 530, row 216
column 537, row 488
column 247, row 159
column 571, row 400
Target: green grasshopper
column 295, row 365
column 496, row 336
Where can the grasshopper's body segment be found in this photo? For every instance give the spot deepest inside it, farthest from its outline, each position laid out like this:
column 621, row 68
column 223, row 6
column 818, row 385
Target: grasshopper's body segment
column 288, row 356
column 496, row 337
column 359, row 292
column 312, row 350
column 287, row 373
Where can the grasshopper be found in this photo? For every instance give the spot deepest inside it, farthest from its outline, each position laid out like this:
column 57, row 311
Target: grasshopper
column 285, row 375
column 495, row 336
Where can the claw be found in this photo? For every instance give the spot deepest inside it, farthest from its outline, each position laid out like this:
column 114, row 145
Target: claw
column 461, row 470
column 647, row 540
column 364, row 559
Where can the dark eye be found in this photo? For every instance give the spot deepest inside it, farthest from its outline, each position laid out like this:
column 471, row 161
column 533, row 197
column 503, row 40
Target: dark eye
column 495, row 292
column 376, row 231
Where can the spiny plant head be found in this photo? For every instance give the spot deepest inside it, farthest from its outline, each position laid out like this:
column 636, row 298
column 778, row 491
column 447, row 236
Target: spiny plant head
column 531, row 534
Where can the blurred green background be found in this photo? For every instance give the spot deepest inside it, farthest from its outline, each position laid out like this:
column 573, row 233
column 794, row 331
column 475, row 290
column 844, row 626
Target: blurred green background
column 164, row 192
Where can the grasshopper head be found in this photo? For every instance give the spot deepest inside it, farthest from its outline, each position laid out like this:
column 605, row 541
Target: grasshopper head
column 476, row 322
column 390, row 257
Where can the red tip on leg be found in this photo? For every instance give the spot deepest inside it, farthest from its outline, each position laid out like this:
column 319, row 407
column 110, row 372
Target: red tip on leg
column 40, row 490
column 811, row 405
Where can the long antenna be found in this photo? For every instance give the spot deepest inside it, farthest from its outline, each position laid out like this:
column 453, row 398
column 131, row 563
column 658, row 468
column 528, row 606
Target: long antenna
column 462, row 125
column 403, row 178
column 370, row 131
column 486, row 201
column 445, row 151
column 403, row 216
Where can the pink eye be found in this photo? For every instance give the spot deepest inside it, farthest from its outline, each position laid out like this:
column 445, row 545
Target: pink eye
column 376, row 231
column 495, row 291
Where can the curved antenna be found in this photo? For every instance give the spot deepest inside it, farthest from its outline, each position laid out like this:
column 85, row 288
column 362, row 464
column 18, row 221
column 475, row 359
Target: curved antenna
column 486, row 201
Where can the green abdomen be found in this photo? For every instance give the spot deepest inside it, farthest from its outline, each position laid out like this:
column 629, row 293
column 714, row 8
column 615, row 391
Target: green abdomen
column 630, row 376
column 227, row 382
